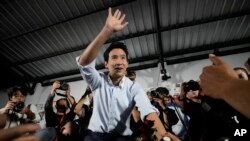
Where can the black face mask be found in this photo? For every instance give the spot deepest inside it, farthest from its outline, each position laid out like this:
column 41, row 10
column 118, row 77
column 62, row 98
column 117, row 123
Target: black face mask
column 61, row 109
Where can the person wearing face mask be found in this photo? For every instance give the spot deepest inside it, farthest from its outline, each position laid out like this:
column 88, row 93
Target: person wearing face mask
column 191, row 103
column 58, row 123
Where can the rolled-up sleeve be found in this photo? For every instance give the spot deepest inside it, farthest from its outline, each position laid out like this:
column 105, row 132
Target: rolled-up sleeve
column 143, row 103
column 89, row 73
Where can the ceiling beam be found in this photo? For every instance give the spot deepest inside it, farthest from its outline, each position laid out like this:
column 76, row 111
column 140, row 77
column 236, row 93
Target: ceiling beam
column 166, row 55
column 207, row 20
column 70, row 19
column 65, row 51
column 159, row 37
column 78, row 78
column 205, row 56
column 143, row 33
column 209, row 47
column 169, row 62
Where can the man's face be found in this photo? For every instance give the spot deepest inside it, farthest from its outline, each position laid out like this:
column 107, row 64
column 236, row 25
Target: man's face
column 62, row 106
column 117, row 63
column 18, row 97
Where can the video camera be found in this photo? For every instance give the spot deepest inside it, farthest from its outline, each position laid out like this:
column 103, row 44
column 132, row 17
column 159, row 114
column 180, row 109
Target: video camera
column 61, row 91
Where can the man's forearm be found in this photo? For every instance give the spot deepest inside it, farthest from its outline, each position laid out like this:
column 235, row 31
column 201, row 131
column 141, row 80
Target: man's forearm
column 3, row 111
column 49, row 102
column 236, row 93
column 78, row 108
column 157, row 123
column 91, row 52
column 71, row 100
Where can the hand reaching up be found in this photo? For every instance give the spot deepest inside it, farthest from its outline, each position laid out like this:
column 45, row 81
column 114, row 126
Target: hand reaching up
column 115, row 22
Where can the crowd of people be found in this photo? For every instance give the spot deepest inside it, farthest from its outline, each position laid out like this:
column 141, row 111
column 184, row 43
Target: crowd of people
column 115, row 107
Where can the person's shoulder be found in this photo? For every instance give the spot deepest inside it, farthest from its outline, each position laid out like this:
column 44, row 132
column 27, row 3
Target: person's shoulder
column 103, row 74
column 134, row 86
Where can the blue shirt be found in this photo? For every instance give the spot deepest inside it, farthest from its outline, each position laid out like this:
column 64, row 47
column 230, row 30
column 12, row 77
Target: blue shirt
column 113, row 104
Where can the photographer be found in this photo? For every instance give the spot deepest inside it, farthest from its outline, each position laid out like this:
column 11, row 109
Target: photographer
column 190, row 100
column 58, row 123
column 84, row 104
column 83, row 110
column 167, row 115
column 210, row 119
column 15, row 109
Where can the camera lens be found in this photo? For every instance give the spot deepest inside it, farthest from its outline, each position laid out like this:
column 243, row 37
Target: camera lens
column 153, row 93
column 64, row 86
column 18, row 107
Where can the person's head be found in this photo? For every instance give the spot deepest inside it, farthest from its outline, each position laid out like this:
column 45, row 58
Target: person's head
column 151, row 93
column 16, row 95
column 191, row 90
column 116, row 59
column 242, row 73
column 62, row 105
column 162, row 92
column 131, row 75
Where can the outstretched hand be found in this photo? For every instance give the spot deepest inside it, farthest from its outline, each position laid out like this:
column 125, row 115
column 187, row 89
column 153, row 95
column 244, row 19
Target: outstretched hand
column 115, row 22
column 214, row 76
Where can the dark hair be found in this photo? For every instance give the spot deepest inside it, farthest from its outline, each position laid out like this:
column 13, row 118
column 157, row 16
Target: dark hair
column 162, row 90
column 14, row 90
column 248, row 61
column 112, row 46
column 130, row 72
column 57, row 102
column 191, row 85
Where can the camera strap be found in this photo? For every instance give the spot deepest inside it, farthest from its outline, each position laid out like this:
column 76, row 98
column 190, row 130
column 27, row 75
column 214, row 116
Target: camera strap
column 181, row 119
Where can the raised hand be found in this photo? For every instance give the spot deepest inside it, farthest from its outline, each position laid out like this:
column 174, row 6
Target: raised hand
column 55, row 86
column 216, row 75
column 115, row 22
column 9, row 106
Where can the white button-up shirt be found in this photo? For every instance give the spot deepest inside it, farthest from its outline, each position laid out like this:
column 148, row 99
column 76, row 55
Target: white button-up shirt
column 113, row 104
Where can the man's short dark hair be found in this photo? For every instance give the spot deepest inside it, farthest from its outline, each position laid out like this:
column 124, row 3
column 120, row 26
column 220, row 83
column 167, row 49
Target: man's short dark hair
column 115, row 45
column 163, row 91
column 14, row 90
column 62, row 99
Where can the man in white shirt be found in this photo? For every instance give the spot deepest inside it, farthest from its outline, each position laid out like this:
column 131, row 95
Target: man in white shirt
column 114, row 94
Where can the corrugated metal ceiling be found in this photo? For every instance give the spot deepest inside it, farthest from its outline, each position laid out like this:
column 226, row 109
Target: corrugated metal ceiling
column 41, row 38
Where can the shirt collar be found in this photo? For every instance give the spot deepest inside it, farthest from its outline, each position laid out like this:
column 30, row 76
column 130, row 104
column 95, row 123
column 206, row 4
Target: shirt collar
column 121, row 83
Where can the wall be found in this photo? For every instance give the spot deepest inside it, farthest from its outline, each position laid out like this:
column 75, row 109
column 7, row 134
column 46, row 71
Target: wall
column 147, row 78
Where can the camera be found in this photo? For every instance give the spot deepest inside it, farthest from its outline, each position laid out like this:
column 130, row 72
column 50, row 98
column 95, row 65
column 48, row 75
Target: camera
column 154, row 94
column 62, row 89
column 18, row 107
